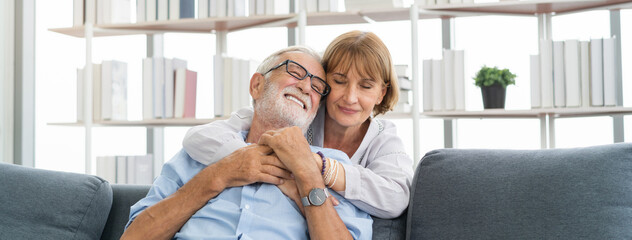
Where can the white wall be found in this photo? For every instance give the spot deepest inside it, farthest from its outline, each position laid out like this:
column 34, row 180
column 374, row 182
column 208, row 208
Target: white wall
column 6, row 80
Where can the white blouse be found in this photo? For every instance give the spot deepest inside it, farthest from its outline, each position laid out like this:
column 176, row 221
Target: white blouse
column 379, row 184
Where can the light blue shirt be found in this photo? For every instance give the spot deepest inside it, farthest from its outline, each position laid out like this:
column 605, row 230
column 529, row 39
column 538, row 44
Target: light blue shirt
column 255, row 211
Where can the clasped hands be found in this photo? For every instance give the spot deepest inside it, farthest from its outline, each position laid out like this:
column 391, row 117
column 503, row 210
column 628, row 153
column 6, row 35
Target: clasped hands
column 278, row 157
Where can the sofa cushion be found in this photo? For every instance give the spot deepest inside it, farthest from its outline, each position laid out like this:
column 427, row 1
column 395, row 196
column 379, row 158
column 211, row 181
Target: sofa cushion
column 579, row 193
column 42, row 204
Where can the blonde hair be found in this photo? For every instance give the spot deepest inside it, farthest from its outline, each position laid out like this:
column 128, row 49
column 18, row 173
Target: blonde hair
column 365, row 52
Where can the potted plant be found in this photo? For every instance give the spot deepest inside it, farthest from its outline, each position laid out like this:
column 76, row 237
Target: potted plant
column 493, row 83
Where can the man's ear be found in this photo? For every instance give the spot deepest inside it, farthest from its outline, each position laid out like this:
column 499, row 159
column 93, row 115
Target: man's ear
column 257, row 82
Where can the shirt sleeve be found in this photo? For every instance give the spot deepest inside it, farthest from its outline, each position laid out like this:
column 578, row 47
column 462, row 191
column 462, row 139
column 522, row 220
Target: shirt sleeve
column 211, row 142
column 380, row 186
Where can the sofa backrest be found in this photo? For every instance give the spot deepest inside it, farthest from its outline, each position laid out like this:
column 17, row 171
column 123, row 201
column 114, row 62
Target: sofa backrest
column 43, row 204
column 124, row 196
column 578, row 193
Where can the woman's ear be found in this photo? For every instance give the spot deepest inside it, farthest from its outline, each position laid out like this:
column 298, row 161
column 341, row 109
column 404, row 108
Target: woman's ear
column 257, row 82
column 383, row 93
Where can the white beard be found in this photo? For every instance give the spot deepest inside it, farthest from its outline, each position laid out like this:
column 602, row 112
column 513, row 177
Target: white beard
column 276, row 111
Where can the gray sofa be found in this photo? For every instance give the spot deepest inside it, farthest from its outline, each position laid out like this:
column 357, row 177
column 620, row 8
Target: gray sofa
column 579, row 193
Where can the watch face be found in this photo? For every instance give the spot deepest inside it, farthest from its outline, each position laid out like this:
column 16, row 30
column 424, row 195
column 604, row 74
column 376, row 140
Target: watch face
column 317, row 196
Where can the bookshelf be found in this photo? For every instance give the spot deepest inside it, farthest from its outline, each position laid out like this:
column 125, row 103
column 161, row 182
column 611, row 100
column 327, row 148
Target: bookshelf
column 541, row 9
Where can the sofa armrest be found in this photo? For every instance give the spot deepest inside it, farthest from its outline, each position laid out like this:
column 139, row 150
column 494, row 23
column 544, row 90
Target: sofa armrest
column 44, row 204
column 124, row 196
column 577, row 193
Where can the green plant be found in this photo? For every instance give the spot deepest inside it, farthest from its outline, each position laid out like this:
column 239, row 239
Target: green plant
column 489, row 76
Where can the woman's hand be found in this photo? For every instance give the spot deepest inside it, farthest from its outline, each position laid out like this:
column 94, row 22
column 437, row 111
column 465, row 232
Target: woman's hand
column 292, row 148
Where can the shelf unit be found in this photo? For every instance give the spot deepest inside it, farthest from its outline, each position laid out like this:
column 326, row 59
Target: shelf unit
column 542, row 9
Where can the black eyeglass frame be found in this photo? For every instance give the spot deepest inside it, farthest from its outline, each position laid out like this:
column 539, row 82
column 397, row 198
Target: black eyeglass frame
column 307, row 74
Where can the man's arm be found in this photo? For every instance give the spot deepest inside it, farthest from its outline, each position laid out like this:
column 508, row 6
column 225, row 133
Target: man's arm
column 164, row 219
column 292, row 149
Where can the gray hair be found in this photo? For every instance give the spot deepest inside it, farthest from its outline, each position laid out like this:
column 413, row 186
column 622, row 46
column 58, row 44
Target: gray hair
column 273, row 59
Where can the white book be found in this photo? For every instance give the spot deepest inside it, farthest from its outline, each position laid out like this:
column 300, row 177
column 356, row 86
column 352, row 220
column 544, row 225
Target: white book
column 169, row 88
column 218, row 85
column 260, row 8
column 459, row 80
column 131, row 169
column 174, row 9
column 546, row 72
column 596, row 72
column 152, row 8
column 80, row 80
column 96, row 92
column 239, row 8
column 163, row 10
column 90, row 11
column 159, row 87
column 77, row 13
column 236, row 81
column 121, row 169
column 572, row 73
column 144, row 169
column 559, row 78
column 585, row 72
column 534, row 61
column 100, row 11
column 244, row 83
column 106, row 168
column 269, row 7
column 230, row 8
column 148, row 88
column 228, row 86
column 106, row 90
column 141, row 11
column 212, row 8
column 203, row 9
column 609, row 72
column 437, row 85
column 281, row 7
column 252, row 7
column 119, row 11
column 448, row 79
column 119, row 91
column 427, row 85
column 310, row 6
column 180, row 87
column 220, row 9
column 324, row 5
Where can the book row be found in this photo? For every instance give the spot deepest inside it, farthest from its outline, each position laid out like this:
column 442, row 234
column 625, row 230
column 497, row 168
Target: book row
column 126, row 169
column 119, row 11
column 169, row 89
column 574, row 73
column 232, row 83
column 444, row 82
column 109, row 91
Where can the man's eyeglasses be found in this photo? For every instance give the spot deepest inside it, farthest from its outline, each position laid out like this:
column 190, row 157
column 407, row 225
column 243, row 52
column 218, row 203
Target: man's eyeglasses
column 299, row 72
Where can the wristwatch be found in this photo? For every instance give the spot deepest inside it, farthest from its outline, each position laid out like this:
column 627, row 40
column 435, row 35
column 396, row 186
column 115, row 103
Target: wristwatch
column 316, row 197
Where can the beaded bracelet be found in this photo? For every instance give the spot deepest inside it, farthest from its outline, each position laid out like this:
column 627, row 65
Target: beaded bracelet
column 322, row 172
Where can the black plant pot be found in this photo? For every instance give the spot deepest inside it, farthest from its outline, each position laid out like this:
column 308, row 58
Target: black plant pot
column 493, row 96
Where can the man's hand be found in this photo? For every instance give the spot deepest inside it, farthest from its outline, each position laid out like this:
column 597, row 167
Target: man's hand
column 292, row 149
column 250, row 164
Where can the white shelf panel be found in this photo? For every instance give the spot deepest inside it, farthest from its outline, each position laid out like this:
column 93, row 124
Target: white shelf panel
column 532, row 7
column 183, row 122
column 532, row 113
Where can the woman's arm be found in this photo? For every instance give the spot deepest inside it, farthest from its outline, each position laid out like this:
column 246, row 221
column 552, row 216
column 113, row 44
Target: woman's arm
column 211, row 142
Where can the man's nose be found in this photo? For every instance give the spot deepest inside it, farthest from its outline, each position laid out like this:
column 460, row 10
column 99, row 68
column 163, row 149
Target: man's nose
column 305, row 85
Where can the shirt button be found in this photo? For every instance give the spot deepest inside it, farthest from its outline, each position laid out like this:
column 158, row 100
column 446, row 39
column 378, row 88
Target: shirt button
column 247, row 206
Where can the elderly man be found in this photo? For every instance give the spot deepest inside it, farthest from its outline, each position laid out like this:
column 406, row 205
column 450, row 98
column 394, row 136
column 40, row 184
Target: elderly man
column 260, row 191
